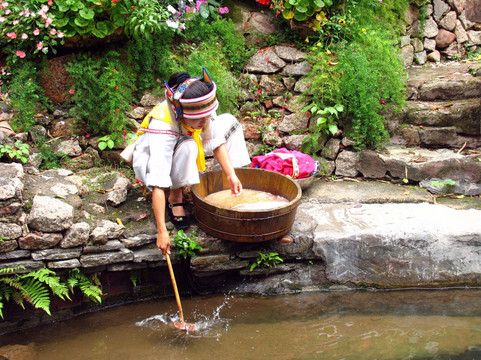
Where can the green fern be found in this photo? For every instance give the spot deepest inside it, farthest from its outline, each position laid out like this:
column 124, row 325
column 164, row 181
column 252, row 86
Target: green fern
column 37, row 287
column 24, row 288
column 35, row 293
column 50, row 278
column 90, row 287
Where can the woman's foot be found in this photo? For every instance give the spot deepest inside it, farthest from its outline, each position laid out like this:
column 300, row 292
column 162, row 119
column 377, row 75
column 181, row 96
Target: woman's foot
column 179, row 221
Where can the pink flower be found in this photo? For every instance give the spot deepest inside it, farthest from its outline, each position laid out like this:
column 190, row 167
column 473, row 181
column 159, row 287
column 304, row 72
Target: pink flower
column 20, row 54
column 71, row 91
column 36, row 32
column 8, row 11
column 24, row 36
column 15, row 22
column 53, row 31
column 50, row 2
column 221, row 10
column 44, row 9
column 5, row 4
column 2, row 19
column 12, row 35
column 60, row 34
column 48, row 22
column 39, row 45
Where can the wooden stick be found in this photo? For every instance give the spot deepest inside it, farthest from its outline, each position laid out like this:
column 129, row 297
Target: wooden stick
column 176, row 291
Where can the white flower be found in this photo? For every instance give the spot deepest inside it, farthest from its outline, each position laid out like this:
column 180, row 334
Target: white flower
column 171, row 9
column 172, row 24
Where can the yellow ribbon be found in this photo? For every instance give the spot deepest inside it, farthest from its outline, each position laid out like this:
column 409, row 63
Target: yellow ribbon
column 195, row 133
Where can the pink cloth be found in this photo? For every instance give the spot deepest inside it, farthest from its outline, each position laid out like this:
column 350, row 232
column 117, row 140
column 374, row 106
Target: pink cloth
column 281, row 161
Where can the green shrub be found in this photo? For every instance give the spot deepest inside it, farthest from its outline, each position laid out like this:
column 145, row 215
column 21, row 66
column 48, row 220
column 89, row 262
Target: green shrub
column 207, row 55
column 149, row 58
column 220, row 33
column 356, row 63
column 102, row 93
column 26, row 95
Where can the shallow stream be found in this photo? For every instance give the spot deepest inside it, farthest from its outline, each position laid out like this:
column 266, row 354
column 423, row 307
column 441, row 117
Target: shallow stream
column 411, row 324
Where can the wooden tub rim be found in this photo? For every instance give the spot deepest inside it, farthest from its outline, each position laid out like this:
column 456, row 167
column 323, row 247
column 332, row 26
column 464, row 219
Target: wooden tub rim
column 292, row 203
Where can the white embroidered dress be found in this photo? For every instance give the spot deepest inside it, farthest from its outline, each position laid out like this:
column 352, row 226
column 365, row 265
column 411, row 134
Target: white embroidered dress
column 165, row 155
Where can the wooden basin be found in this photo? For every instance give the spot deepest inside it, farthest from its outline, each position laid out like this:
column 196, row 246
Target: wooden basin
column 246, row 225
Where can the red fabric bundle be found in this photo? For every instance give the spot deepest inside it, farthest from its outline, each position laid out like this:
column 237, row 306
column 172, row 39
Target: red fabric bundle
column 288, row 162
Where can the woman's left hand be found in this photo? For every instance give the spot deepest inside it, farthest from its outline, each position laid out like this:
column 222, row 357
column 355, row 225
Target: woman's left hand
column 235, row 185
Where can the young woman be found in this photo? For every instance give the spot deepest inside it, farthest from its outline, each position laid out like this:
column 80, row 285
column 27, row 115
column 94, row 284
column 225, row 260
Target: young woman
column 173, row 141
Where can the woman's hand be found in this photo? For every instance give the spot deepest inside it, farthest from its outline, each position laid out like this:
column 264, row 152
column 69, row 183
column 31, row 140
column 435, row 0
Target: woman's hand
column 235, row 185
column 163, row 242
column 222, row 157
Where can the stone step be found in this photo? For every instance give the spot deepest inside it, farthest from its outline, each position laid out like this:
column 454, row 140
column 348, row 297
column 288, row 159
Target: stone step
column 463, row 114
column 434, row 137
column 416, row 165
column 447, row 81
column 453, row 123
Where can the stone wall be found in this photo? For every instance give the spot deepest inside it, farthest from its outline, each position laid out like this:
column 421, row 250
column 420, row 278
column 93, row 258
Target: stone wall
column 446, row 31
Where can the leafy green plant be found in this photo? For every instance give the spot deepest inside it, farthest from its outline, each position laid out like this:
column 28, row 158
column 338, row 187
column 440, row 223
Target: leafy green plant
column 325, row 125
column 446, row 185
column 185, row 245
column 35, row 288
column 299, row 10
column 263, row 149
column 106, row 142
column 266, row 260
column 18, row 151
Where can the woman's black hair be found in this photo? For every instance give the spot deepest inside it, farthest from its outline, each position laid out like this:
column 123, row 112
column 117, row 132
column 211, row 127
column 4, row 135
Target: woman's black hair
column 195, row 90
column 177, row 79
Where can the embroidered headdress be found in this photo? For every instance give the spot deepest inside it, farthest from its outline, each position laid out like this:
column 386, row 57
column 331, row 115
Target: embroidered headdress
column 192, row 108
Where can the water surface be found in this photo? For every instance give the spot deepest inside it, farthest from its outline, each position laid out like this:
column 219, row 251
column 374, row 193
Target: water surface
column 249, row 199
column 359, row 325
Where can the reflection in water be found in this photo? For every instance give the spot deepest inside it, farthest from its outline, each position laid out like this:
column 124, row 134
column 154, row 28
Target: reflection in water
column 358, row 325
